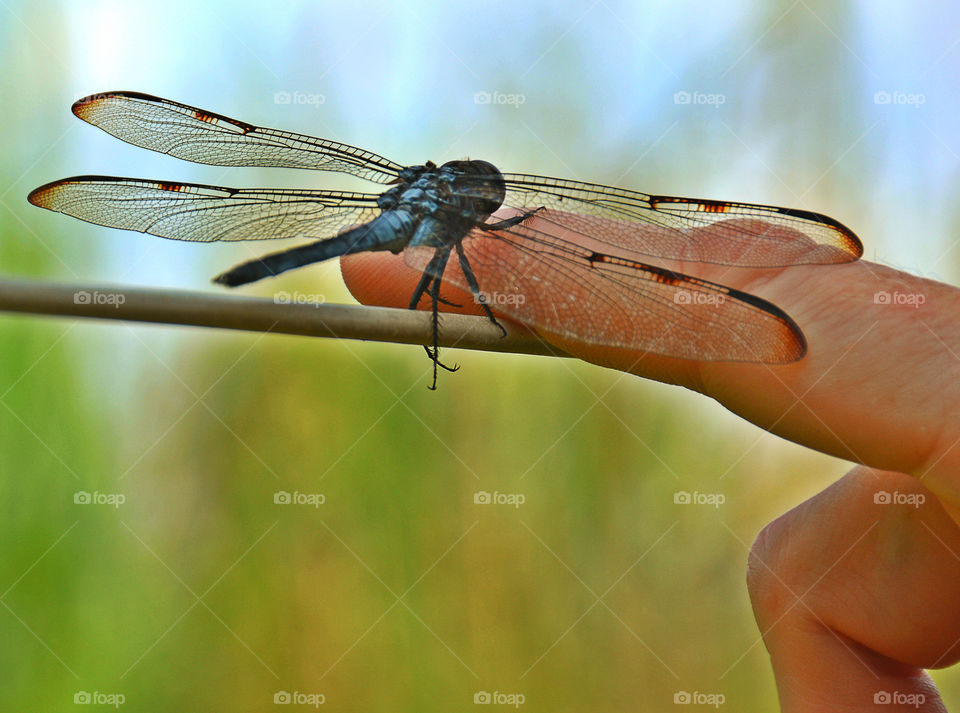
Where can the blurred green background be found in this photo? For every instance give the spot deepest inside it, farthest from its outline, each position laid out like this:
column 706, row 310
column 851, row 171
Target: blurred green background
column 399, row 592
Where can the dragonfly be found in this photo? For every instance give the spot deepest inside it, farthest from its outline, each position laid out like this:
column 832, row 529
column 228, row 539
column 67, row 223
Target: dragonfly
column 564, row 257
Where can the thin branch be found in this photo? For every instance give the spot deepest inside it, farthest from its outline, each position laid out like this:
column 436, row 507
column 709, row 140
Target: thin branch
column 254, row 314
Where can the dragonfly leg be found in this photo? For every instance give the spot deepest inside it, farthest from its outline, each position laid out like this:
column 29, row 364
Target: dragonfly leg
column 447, row 302
column 430, row 284
column 425, row 279
column 435, row 354
column 510, row 222
column 422, row 288
column 475, row 288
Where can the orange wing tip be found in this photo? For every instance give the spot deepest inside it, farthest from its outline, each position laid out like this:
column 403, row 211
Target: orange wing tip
column 45, row 195
column 797, row 349
column 81, row 107
column 849, row 242
column 792, row 345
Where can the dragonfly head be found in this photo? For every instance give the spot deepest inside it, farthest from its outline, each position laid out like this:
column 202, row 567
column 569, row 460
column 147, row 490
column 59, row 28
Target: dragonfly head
column 480, row 181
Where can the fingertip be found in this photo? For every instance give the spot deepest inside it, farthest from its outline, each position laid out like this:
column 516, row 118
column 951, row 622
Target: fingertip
column 384, row 280
column 379, row 279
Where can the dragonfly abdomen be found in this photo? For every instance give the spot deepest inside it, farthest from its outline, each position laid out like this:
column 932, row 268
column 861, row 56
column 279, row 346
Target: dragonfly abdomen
column 390, row 230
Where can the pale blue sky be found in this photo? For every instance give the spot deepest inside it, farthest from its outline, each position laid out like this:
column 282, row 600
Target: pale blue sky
column 799, row 122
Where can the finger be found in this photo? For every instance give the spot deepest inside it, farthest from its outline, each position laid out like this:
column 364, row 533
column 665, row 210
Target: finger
column 855, row 593
column 878, row 384
column 384, row 280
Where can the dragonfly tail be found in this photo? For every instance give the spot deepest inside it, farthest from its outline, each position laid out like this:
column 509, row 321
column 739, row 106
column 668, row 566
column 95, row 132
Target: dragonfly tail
column 350, row 241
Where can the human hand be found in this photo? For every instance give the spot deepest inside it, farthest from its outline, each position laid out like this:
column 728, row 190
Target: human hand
column 854, row 597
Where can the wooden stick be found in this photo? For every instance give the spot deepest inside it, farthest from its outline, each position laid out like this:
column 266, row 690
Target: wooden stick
column 255, row 314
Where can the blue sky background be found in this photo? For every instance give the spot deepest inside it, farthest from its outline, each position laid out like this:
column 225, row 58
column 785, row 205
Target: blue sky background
column 799, row 124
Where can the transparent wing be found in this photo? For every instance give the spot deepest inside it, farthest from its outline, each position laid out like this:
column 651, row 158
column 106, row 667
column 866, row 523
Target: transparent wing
column 192, row 211
column 561, row 288
column 204, row 137
column 692, row 230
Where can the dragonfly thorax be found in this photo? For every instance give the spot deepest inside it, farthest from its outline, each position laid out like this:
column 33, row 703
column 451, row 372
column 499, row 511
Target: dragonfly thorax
column 463, row 193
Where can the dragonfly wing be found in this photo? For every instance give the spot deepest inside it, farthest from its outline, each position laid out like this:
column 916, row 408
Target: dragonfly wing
column 562, row 289
column 692, row 230
column 205, row 137
column 192, row 211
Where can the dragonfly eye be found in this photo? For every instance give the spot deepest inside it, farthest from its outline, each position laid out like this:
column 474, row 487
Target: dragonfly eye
column 480, row 180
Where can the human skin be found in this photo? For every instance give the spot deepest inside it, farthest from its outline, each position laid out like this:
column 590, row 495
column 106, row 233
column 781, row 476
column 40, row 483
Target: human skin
column 854, row 597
